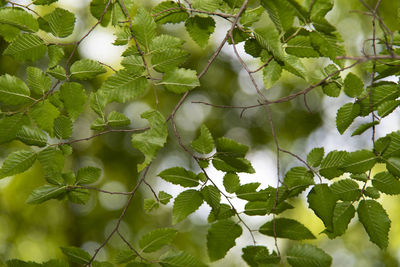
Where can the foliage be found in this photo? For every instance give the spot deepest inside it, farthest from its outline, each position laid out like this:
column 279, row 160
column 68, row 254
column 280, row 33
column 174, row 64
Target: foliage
column 43, row 105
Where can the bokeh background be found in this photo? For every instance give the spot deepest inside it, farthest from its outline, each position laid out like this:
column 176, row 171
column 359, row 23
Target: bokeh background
column 35, row 232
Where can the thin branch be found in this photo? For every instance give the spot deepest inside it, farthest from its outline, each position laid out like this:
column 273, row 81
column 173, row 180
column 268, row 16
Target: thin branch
column 72, row 187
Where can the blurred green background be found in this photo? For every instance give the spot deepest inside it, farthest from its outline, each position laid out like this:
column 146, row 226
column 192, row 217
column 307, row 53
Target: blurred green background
column 35, row 232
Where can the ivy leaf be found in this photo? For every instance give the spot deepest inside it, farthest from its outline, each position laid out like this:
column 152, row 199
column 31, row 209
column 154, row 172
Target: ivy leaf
column 55, row 53
column 116, row 119
column 346, row 190
column 144, row 27
column 180, row 176
column 179, row 259
column 204, row 144
column 386, row 183
column 271, row 73
column 322, row 201
column 286, row 228
column 330, row 166
column 180, row 80
column 301, row 255
column 74, row 97
column 45, row 122
column 61, row 22
column 169, row 12
column 123, row 86
column 156, row 239
column 280, row 12
column 88, row 175
column 86, row 69
column 10, row 126
column 186, row 203
column 19, row 18
column 38, row 81
column 221, row 238
column 17, row 162
column 44, row 193
column 32, row 136
column 151, row 140
column 231, row 182
column 63, row 127
column 375, row 221
column 13, row 91
column 200, row 29
column 346, row 115
column 342, row 215
column 26, row 47
column 353, row 86
column 76, row 255
column 314, row 158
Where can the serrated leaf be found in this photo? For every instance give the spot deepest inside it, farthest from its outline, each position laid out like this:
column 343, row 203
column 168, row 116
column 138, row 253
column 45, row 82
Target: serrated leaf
column 98, row 103
column 231, row 182
column 331, row 89
column 230, row 147
column 18, row 18
column 125, row 256
column 123, row 86
column 63, row 127
column 212, row 196
column 98, row 125
column 79, row 196
column 10, row 126
column 271, row 73
column 133, row 64
column 55, row 53
column 86, row 69
column 180, row 80
column 32, row 136
column 164, row 41
column 164, row 197
column 186, row 203
column 44, row 2
column 221, row 238
column 8, row 32
column 144, row 27
column 61, row 22
column 322, row 201
column 180, row 176
column 353, row 85
column 269, row 39
column 123, row 35
column 179, row 259
column 252, row 47
column 301, row 255
column 200, row 29
column 295, row 66
column 371, row 192
column 44, row 193
column 386, row 183
column 117, row 119
column 17, row 162
column 380, row 93
column 300, row 46
column 251, row 16
column 76, row 255
column 26, row 47
column 204, row 144
column 314, row 157
column 57, row 72
column 232, row 164
column 207, row 5
column 375, row 221
column 88, row 175
column 13, row 91
column 225, row 211
column 44, row 114
column 327, row 45
column 169, row 12
column 393, row 166
column 248, row 192
column 359, row 161
column 342, row 215
column 330, row 166
column 346, row 115
column 387, row 107
column 150, row 204
column 74, row 97
column 37, row 80
column 280, row 12
column 363, row 127
column 97, row 8
column 297, row 179
column 52, row 161
column 168, row 59
column 346, row 190
column 286, row 228
column 156, row 239
column 257, row 255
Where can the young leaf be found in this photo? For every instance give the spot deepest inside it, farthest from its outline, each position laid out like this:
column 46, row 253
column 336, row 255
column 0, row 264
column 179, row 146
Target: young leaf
column 13, row 91
column 322, row 201
column 144, row 27
column 18, row 18
column 204, row 144
column 26, row 47
column 386, row 183
column 314, row 157
column 372, row 192
column 17, row 162
column 86, row 69
column 88, row 175
column 164, row 197
column 38, row 81
column 150, row 204
column 76, row 255
column 346, row 190
column 180, row 176
column 375, row 221
column 342, row 215
column 63, row 127
column 180, row 80
column 225, row 211
column 32, row 136
column 286, row 228
column 180, row 259
column 44, row 193
column 164, row 42
column 221, row 238
column 169, row 12
column 301, row 255
column 353, row 86
column 200, row 29
column 116, row 119
column 186, row 203
column 74, row 97
column 346, row 115
column 156, row 239
column 231, row 182
column 61, row 22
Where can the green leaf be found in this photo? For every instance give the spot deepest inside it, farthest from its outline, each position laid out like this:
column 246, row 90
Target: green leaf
column 98, row 125
column 297, row 179
column 86, row 69
column 168, row 59
column 231, row 182
column 169, row 12
column 353, row 86
column 45, row 122
column 221, row 238
column 116, row 119
column 76, row 255
column 252, row 47
column 63, row 127
column 32, row 136
column 300, row 46
column 286, row 228
column 248, row 192
column 232, row 164
column 123, row 35
column 180, row 80
column 346, row 190
column 55, row 53
column 17, row 162
column 38, row 81
column 301, row 255
column 386, row 183
column 164, row 197
column 98, row 102
column 164, row 41
column 363, row 127
column 375, row 221
column 200, row 29
column 57, row 72
column 331, row 89
column 380, row 93
column 346, row 115
column 10, row 126
column 269, row 39
column 44, row 193
column 327, row 45
column 97, row 8
column 314, row 158
column 258, row 255
column 61, row 22
column 13, row 91
column 44, row 2
column 125, row 256
column 230, row 147
column 204, row 144
column 133, row 64
column 271, row 73
column 251, row 16
column 322, row 201
column 212, row 196
column 393, row 166
column 342, row 215
column 8, row 32
column 225, row 211
column 150, row 204
column 186, row 203
column 19, row 18
column 207, row 5
column 52, row 161
column 26, row 47
column 79, row 196
column 372, row 192
column 330, row 166
column 280, row 12
column 88, row 175
column 123, row 86
column 144, row 27
column 180, row 176
column 294, row 65
column 179, row 259
column 74, row 97
column 156, row 239
column 320, row 8
column 359, row 161
column 387, row 107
